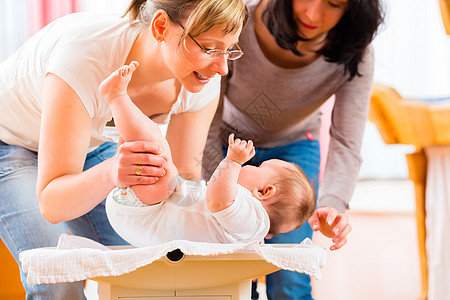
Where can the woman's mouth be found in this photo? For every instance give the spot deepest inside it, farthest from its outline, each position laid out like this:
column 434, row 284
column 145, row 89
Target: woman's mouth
column 201, row 78
column 309, row 27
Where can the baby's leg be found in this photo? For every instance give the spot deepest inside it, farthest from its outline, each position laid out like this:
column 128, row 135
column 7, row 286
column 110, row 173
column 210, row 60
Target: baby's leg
column 133, row 125
column 117, row 83
column 131, row 122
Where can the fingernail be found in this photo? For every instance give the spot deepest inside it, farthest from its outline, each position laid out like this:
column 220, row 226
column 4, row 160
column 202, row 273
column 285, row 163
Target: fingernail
column 332, row 248
column 336, row 230
column 314, row 226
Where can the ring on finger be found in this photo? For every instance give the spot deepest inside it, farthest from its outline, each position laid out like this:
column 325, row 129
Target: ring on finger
column 138, row 170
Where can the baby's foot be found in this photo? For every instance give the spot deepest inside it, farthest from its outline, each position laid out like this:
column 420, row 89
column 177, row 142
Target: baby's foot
column 116, row 84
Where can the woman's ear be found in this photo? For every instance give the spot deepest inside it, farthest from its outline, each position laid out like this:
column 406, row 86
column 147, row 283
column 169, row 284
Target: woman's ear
column 265, row 193
column 159, row 25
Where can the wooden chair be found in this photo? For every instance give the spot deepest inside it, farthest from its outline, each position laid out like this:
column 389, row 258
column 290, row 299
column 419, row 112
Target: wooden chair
column 10, row 284
column 411, row 122
column 403, row 121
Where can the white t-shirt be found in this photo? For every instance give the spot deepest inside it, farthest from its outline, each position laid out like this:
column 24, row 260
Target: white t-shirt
column 185, row 216
column 82, row 49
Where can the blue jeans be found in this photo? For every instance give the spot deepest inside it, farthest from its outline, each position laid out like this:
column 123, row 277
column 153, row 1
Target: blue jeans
column 306, row 154
column 22, row 227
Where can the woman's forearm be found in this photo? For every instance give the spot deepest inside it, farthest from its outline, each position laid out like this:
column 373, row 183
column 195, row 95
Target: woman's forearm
column 70, row 196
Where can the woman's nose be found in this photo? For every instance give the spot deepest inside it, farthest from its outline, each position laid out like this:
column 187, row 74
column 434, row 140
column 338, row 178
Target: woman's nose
column 220, row 65
column 314, row 10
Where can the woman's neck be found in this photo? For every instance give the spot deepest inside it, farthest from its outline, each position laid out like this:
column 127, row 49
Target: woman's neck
column 147, row 51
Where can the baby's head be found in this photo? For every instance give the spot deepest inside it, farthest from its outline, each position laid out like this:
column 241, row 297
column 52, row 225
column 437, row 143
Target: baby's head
column 284, row 191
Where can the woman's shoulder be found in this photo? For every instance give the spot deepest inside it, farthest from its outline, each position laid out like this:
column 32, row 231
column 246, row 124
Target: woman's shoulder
column 86, row 25
column 79, row 52
column 78, row 18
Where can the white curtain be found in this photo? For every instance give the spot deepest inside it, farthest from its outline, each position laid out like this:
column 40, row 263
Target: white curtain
column 438, row 222
column 413, row 51
column 13, row 26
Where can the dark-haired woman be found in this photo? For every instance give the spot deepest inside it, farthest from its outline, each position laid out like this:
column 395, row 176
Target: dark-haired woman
column 298, row 53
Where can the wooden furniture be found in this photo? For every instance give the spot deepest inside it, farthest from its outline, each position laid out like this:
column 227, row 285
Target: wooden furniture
column 180, row 277
column 418, row 123
column 445, row 13
column 10, row 284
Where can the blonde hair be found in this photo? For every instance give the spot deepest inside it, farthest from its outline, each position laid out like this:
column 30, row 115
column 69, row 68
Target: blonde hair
column 200, row 15
column 295, row 199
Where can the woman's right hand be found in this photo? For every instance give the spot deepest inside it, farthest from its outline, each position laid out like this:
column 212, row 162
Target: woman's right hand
column 137, row 162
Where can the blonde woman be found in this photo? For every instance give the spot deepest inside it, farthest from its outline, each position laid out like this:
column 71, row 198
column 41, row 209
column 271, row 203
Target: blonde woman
column 56, row 162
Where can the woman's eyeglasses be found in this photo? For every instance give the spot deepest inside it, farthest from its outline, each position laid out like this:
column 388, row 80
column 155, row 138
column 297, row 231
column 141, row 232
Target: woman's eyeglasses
column 215, row 53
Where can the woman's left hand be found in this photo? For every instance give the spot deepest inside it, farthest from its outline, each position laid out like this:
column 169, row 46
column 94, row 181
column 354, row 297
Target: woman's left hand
column 331, row 224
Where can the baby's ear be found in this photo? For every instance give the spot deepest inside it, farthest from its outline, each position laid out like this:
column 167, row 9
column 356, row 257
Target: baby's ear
column 266, row 193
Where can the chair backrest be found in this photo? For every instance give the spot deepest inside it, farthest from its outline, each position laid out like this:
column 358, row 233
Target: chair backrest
column 445, row 12
column 408, row 121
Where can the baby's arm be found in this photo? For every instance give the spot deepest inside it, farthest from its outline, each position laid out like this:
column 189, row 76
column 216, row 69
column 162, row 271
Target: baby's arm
column 222, row 187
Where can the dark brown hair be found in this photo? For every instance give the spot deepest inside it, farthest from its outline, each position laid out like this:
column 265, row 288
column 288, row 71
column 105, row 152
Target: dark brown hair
column 347, row 41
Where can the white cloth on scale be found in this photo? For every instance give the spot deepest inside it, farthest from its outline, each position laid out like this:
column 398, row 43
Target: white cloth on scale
column 78, row 258
column 438, row 221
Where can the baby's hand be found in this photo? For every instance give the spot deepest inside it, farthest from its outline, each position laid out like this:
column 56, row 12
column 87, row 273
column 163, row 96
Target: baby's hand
column 240, row 151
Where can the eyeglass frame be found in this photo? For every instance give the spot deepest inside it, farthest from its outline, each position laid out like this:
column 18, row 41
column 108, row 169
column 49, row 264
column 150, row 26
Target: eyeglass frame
column 211, row 52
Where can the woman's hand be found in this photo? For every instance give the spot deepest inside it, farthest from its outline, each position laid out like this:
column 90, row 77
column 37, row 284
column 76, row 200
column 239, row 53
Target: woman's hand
column 137, row 163
column 331, row 224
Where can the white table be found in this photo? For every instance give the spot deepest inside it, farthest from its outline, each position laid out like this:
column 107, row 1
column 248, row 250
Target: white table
column 222, row 277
